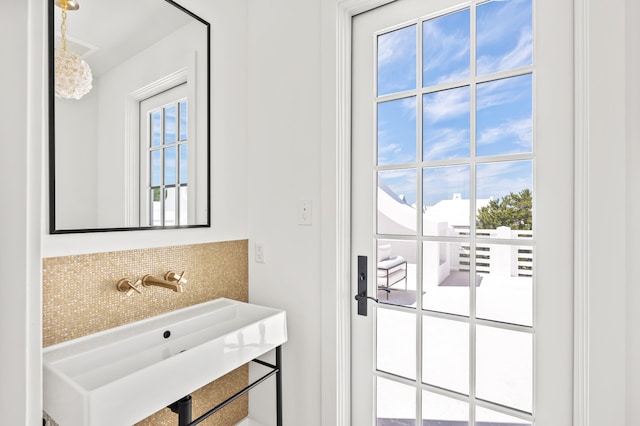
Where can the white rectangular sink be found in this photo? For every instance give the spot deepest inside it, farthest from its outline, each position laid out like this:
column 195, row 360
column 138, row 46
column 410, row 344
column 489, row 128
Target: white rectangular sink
column 122, row 375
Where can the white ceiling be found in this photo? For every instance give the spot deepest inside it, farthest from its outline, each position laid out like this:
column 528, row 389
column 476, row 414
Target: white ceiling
column 107, row 32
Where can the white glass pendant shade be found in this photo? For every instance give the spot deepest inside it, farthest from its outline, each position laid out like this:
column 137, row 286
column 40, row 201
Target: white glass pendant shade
column 72, row 75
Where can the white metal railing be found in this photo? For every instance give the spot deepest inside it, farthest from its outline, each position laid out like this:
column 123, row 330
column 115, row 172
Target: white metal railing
column 514, row 260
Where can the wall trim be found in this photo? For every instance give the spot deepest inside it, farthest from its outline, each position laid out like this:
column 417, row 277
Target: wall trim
column 132, row 200
column 581, row 215
column 36, row 171
column 345, row 10
column 343, row 214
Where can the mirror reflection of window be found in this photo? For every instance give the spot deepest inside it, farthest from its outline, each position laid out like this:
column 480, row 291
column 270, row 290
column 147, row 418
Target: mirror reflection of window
column 164, row 158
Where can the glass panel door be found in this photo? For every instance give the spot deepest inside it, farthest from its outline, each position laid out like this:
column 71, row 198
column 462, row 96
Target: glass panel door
column 448, row 107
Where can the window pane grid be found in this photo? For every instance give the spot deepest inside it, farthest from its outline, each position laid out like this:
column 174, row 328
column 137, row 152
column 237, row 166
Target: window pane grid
column 518, row 415
column 478, row 243
column 168, row 164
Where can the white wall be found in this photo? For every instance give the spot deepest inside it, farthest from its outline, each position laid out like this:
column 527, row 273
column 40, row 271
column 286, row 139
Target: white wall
column 633, row 212
column 284, row 167
column 76, row 158
column 607, row 194
column 22, row 123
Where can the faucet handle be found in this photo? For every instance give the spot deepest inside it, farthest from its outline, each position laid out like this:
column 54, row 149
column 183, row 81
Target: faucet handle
column 134, row 288
column 179, row 278
column 125, row 285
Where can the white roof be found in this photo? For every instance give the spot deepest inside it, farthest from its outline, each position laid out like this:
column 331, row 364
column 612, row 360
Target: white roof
column 395, row 213
column 455, row 211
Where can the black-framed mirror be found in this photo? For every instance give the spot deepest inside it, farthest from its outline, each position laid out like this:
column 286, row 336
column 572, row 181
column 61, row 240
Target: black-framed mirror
column 134, row 152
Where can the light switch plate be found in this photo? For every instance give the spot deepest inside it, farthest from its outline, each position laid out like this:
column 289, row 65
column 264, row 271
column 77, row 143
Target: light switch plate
column 304, row 212
column 260, row 252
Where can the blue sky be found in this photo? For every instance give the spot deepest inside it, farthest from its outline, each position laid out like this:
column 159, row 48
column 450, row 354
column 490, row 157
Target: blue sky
column 446, row 121
column 403, row 182
column 503, row 108
column 446, row 49
column 397, row 61
column 504, row 35
column 493, row 180
column 156, row 127
column 504, row 116
column 170, row 165
column 183, row 120
column 440, row 183
column 397, row 131
column 497, row 179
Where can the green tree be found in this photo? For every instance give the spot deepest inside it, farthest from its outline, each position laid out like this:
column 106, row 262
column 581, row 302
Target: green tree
column 513, row 210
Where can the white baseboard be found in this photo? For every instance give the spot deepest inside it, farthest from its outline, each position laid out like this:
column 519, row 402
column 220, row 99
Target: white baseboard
column 247, row 421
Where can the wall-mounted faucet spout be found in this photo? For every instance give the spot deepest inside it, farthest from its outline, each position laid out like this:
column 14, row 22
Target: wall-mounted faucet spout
column 149, row 280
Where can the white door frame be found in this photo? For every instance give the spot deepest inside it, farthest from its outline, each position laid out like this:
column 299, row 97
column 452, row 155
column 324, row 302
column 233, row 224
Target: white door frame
column 346, row 9
column 581, row 217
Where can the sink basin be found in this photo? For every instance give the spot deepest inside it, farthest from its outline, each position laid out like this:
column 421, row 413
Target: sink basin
column 122, row 375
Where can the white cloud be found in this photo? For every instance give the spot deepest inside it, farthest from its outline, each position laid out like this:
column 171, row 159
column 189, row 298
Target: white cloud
column 405, row 107
column 504, row 91
column 519, row 56
column 446, row 46
column 454, row 75
column 396, row 124
column 503, row 21
column 443, row 142
column 517, row 132
column 396, row 45
column 391, row 148
column 409, row 107
column 440, row 183
column 390, row 152
column 498, row 179
column 401, row 182
column 446, row 104
column 396, row 60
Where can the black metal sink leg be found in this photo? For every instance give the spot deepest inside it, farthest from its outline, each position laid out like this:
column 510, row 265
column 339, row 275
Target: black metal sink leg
column 182, row 407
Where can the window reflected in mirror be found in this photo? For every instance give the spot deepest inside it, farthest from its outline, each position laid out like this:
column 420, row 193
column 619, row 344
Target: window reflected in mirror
column 164, row 161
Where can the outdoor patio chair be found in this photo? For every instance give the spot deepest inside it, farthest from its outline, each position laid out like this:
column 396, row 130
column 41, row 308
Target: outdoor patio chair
column 391, row 270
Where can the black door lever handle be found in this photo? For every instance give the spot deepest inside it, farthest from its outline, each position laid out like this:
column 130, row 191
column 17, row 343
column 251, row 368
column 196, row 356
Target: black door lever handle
column 359, row 297
column 362, row 296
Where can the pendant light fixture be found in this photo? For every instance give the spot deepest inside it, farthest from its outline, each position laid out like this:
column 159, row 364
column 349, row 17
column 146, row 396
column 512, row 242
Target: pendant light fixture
column 73, row 78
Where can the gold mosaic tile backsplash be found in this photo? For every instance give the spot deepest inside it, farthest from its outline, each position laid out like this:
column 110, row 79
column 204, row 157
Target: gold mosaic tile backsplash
column 80, row 298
